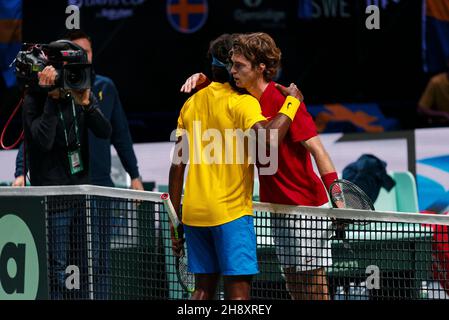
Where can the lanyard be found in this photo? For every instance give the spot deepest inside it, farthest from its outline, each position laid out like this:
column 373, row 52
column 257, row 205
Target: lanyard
column 65, row 128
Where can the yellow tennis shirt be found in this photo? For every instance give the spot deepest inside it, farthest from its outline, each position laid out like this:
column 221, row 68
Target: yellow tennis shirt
column 220, row 177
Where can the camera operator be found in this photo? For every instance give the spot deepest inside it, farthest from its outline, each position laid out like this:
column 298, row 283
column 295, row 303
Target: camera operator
column 56, row 132
column 56, row 136
column 109, row 103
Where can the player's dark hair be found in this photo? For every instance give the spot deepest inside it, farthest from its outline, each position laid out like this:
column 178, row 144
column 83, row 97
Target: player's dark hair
column 219, row 51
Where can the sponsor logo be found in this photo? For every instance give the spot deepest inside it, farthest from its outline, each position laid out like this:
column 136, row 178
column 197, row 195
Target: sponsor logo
column 19, row 262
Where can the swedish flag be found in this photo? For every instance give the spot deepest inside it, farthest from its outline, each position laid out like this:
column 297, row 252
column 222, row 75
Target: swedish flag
column 187, row 16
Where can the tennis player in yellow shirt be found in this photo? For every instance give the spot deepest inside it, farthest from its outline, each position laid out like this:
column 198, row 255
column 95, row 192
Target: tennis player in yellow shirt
column 217, row 213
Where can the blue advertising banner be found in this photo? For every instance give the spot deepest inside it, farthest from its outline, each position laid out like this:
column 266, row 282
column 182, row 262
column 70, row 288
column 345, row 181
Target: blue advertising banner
column 10, row 37
column 436, row 35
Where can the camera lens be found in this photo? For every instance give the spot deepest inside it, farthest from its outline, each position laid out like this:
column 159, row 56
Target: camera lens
column 75, row 78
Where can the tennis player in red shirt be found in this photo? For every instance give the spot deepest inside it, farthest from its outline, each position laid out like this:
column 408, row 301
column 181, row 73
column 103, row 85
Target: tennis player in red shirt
column 302, row 243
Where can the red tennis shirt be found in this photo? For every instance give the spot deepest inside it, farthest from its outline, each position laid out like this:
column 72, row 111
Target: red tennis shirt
column 295, row 181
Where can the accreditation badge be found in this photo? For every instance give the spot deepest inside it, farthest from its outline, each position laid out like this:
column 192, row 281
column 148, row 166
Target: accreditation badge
column 75, row 161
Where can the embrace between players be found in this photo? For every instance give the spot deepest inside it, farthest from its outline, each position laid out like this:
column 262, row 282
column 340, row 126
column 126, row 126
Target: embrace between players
column 217, row 213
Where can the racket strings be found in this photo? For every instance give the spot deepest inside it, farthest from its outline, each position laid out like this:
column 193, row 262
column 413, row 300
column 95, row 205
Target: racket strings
column 186, row 278
column 348, row 196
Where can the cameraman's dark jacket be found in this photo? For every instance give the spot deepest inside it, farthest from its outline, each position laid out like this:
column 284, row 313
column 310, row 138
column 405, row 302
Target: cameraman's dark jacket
column 45, row 140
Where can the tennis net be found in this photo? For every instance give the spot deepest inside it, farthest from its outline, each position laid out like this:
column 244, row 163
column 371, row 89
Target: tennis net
column 105, row 243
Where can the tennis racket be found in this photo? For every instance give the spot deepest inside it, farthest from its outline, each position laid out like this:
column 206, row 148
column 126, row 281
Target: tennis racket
column 347, row 195
column 185, row 278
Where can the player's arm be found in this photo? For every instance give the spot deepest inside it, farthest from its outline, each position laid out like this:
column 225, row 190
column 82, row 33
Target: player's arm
column 281, row 122
column 196, row 81
column 322, row 159
column 175, row 185
column 176, row 175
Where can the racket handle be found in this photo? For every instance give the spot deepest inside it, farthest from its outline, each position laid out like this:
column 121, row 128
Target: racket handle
column 165, row 197
column 340, row 234
column 340, row 230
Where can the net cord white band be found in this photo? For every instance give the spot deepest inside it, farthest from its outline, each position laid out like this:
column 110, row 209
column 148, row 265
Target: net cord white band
column 380, row 216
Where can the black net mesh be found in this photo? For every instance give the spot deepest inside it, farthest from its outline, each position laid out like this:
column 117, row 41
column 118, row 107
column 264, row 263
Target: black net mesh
column 115, row 245
column 121, row 249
